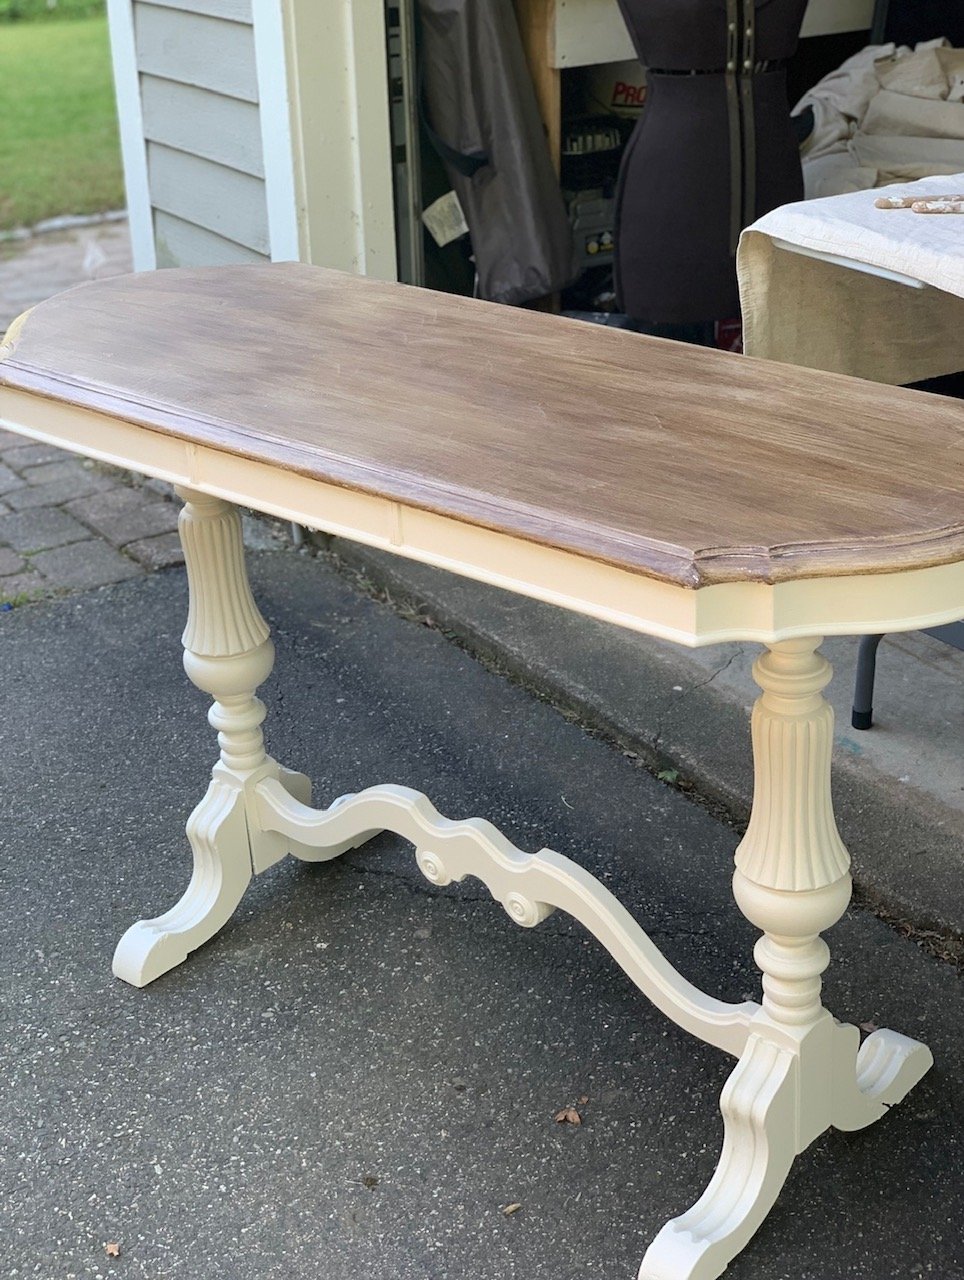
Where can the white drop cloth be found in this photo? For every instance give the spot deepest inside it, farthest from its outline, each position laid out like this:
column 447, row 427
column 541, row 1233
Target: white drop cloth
column 802, row 311
column 886, row 115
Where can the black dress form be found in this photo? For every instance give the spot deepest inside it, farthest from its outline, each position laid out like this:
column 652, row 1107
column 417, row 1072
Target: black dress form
column 712, row 151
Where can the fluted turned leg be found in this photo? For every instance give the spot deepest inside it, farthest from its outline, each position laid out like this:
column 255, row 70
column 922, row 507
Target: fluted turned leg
column 792, row 875
column 227, row 654
column 801, row 1070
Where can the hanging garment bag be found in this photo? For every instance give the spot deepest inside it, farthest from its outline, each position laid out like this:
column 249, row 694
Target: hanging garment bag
column 481, row 115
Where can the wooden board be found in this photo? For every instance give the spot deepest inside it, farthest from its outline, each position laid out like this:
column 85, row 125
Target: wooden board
column 229, row 203
column 181, row 243
column 689, row 466
column 535, row 18
column 231, row 10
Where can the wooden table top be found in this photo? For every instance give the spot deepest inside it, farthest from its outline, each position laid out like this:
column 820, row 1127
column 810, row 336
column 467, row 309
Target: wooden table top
column 685, row 465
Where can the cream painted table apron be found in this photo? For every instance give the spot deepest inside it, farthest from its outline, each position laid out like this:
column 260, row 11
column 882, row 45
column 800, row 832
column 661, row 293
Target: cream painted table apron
column 683, row 493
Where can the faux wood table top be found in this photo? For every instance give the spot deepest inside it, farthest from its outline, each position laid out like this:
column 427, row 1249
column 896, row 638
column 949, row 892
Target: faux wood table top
column 686, row 465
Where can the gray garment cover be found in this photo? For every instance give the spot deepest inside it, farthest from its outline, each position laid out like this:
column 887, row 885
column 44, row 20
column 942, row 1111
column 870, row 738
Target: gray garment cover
column 479, row 100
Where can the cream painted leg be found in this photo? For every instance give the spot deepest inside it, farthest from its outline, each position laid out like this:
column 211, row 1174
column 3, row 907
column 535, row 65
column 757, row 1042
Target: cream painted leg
column 801, row 1071
column 228, row 654
column 222, row 870
column 758, row 1104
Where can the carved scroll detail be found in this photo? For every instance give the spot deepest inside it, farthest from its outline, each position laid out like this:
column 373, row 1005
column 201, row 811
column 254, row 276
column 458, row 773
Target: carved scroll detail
column 518, row 907
column 529, row 886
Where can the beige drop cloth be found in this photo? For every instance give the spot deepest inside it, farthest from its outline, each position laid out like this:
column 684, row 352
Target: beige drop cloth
column 802, row 311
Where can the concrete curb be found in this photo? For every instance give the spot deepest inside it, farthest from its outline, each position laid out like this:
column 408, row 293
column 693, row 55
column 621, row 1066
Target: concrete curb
column 65, row 222
column 659, row 704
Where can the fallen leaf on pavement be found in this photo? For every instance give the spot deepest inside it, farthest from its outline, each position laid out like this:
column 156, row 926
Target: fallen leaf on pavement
column 511, row 1208
column 583, row 1100
column 568, row 1115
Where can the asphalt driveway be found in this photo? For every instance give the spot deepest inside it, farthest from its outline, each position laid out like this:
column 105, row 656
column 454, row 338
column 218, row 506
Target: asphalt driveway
column 360, row 1074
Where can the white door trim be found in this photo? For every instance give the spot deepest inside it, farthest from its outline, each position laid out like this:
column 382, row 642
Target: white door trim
column 127, row 87
column 276, row 133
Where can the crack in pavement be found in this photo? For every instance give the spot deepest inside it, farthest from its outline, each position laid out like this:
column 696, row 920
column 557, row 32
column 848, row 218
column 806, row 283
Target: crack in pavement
column 671, row 706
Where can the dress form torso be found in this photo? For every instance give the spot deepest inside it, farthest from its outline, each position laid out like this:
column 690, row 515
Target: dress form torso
column 712, row 151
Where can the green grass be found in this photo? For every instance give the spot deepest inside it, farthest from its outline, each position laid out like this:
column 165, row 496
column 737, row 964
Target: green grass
column 18, row 10
column 59, row 150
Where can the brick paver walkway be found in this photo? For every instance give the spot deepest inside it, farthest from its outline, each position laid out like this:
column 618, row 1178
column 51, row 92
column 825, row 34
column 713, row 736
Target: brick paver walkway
column 34, row 269
column 65, row 522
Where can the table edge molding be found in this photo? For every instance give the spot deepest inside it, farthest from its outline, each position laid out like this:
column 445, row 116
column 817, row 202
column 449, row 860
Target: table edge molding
column 836, row 604
column 665, row 561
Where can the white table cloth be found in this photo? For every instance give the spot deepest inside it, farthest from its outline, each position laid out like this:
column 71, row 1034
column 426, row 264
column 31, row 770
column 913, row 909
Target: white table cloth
column 812, row 311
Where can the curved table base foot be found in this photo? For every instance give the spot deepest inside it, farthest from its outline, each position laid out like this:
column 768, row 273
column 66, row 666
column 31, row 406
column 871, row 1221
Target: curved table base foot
column 784, row 1091
column 217, row 831
column 888, row 1065
column 759, row 1115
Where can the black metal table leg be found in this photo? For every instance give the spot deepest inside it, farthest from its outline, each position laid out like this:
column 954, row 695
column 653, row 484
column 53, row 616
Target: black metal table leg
column 862, row 716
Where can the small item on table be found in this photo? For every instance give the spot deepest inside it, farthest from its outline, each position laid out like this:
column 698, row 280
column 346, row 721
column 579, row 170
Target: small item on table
column 910, row 202
column 943, row 204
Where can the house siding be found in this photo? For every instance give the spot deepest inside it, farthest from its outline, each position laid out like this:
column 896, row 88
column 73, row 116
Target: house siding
column 199, row 101
column 179, row 242
column 203, row 124
column 211, row 196
column 230, row 10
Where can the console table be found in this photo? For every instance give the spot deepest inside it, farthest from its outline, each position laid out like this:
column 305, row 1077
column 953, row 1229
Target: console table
column 683, row 493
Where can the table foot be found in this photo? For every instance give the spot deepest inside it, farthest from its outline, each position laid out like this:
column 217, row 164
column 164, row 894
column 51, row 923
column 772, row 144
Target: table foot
column 222, row 871
column 869, row 1081
column 788, row 1087
column 758, row 1105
